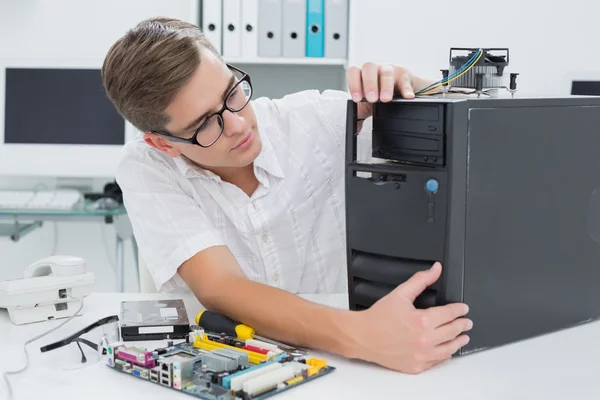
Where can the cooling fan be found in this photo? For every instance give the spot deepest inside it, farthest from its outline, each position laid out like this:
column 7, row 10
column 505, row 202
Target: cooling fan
column 475, row 71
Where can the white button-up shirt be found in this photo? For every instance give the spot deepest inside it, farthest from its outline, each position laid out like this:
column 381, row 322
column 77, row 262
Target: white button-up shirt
column 289, row 234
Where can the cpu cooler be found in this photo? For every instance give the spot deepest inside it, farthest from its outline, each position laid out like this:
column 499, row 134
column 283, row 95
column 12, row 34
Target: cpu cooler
column 475, row 71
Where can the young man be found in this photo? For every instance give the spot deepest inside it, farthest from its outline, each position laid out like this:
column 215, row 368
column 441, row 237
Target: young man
column 243, row 202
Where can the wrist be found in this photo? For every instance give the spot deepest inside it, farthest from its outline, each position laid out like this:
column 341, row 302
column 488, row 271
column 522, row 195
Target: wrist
column 343, row 331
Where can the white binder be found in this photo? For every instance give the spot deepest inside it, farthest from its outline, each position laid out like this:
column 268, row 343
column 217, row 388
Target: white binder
column 250, row 28
column 269, row 28
column 232, row 24
column 294, row 28
column 336, row 28
column 211, row 22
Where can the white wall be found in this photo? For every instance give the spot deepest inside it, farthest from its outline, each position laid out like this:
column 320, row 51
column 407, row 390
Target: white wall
column 72, row 29
column 417, row 35
column 547, row 41
column 77, row 28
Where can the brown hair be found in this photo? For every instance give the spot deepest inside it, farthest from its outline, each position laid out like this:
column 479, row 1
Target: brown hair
column 144, row 69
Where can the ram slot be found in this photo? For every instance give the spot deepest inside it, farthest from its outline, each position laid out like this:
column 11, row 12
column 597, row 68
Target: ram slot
column 266, row 382
column 205, row 343
column 236, row 382
column 262, row 345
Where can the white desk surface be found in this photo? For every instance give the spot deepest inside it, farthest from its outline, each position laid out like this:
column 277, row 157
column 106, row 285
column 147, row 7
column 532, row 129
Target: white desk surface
column 562, row 365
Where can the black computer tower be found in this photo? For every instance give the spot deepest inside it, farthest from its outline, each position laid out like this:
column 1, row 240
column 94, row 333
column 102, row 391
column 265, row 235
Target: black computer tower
column 504, row 192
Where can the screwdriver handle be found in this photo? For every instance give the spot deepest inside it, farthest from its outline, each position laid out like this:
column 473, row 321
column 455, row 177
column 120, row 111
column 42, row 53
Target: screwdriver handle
column 218, row 323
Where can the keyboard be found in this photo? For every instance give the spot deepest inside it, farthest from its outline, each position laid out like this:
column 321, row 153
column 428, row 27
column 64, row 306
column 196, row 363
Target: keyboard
column 61, row 199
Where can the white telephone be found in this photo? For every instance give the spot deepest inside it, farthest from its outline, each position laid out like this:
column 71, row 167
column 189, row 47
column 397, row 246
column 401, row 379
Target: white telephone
column 42, row 293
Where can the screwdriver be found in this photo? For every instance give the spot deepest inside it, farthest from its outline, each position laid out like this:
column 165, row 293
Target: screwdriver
column 218, row 323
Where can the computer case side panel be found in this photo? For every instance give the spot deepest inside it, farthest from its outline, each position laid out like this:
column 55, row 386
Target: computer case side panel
column 532, row 252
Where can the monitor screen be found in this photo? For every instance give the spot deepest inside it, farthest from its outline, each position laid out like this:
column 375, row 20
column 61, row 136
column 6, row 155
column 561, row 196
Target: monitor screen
column 585, row 88
column 59, row 106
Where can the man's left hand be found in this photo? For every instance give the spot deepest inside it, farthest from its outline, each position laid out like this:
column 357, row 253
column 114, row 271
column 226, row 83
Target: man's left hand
column 375, row 82
column 380, row 82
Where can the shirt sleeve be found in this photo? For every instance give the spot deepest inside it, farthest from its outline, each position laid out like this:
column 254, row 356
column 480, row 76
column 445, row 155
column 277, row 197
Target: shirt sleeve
column 333, row 108
column 169, row 225
column 312, row 110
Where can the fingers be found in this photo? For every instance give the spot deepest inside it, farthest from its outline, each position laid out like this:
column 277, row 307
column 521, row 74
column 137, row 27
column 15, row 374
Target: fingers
column 441, row 315
column 445, row 350
column 417, row 283
column 354, row 79
column 375, row 82
column 405, row 85
column 387, row 81
column 370, row 81
column 451, row 330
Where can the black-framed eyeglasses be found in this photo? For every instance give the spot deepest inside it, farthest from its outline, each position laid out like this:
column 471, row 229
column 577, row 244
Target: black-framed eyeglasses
column 97, row 336
column 212, row 128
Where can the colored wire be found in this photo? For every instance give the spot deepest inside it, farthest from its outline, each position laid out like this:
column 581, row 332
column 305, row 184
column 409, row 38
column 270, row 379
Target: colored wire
column 457, row 74
column 466, row 67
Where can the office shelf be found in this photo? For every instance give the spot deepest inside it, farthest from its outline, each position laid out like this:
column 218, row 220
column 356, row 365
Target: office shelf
column 286, row 60
column 16, row 230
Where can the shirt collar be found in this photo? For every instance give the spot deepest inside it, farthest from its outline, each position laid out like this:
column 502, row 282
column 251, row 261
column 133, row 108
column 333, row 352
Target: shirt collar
column 189, row 170
column 266, row 160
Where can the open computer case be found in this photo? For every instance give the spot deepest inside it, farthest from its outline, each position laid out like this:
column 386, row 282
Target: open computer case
column 503, row 190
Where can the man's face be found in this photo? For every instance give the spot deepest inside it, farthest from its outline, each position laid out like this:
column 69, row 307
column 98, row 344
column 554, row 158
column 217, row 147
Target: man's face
column 203, row 95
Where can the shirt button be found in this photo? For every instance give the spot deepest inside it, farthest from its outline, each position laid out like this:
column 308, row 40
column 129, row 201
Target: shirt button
column 276, row 277
column 265, row 237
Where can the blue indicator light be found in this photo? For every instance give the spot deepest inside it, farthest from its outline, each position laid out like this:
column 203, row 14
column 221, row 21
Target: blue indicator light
column 432, row 185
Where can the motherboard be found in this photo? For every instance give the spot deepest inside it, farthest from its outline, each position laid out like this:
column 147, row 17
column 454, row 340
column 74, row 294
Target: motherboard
column 212, row 366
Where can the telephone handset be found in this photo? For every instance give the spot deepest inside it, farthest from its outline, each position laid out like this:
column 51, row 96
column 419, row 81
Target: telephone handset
column 47, row 290
column 56, row 266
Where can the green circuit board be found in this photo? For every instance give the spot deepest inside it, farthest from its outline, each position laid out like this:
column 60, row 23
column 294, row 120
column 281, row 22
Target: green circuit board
column 217, row 367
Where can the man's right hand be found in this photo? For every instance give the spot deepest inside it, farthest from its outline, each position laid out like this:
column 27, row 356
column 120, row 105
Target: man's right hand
column 396, row 335
column 392, row 333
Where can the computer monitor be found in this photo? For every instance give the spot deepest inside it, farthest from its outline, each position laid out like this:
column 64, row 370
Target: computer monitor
column 56, row 120
column 582, row 83
column 585, row 88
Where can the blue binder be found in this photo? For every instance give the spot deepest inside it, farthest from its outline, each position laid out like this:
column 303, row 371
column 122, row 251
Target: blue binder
column 315, row 26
